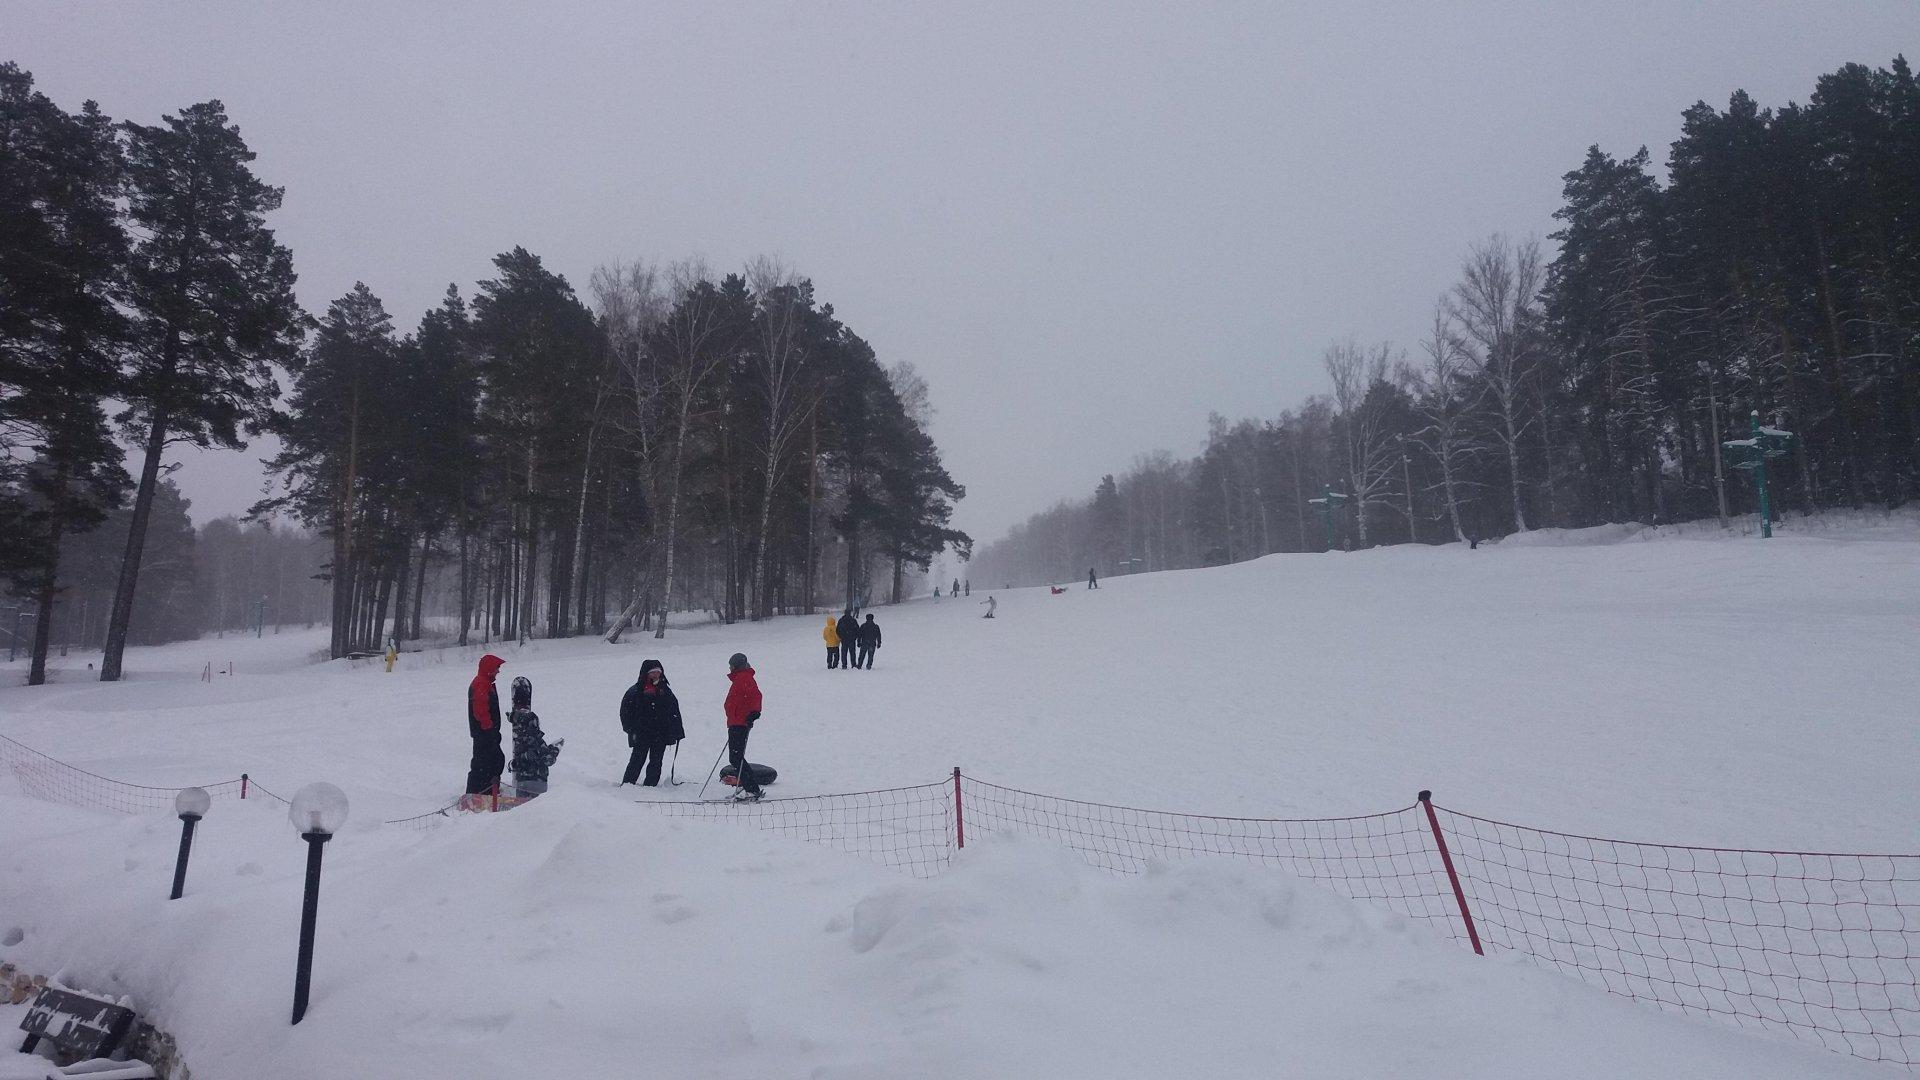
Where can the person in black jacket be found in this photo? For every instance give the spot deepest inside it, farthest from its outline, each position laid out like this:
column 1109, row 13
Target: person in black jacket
column 869, row 641
column 650, row 715
column 849, row 639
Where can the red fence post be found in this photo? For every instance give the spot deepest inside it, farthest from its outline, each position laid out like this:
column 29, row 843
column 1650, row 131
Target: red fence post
column 1446, row 860
column 959, row 822
column 243, row 785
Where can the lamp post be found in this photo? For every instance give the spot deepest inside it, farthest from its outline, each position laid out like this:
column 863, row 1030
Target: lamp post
column 191, row 804
column 318, row 810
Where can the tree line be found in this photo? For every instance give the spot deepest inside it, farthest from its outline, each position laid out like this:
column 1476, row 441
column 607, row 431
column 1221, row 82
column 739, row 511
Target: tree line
column 689, row 437
column 1772, row 276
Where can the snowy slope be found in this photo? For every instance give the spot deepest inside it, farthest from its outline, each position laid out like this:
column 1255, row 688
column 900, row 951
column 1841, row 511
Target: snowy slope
column 1705, row 691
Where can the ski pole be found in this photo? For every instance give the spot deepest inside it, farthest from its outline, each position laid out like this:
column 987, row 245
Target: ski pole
column 671, row 781
column 710, row 772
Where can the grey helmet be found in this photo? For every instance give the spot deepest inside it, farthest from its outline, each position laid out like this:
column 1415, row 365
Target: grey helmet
column 737, row 661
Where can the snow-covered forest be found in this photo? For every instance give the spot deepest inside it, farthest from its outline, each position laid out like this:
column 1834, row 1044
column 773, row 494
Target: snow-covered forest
column 1772, row 269
column 681, row 437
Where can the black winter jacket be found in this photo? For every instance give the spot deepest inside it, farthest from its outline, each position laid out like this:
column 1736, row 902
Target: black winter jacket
column 849, row 628
column 870, row 634
column 654, row 718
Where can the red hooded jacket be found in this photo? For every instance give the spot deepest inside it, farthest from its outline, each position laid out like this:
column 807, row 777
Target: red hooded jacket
column 743, row 697
column 483, row 701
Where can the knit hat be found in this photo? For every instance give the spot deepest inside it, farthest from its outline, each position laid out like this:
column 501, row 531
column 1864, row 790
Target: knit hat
column 737, row 661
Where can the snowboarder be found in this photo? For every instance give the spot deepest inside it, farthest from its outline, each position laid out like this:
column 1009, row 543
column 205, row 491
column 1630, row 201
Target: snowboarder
column 532, row 755
column 743, row 708
column 832, row 637
column 991, row 604
column 650, row 715
column 483, row 725
column 869, row 641
column 1093, row 579
column 849, row 629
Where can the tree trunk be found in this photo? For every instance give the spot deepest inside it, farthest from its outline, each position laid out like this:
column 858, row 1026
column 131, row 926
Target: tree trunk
column 136, row 535
column 50, row 583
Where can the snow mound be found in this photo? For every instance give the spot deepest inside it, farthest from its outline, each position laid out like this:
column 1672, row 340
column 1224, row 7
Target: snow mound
column 578, row 934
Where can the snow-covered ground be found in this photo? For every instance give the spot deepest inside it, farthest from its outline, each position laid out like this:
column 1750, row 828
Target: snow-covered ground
column 1708, row 691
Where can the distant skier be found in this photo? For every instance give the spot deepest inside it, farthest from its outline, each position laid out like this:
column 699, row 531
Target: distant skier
column 743, row 708
column 483, row 725
column 869, row 641
column 849, row 628
column 831, row 635
column 991, row 604
column 1093, row 579
column 532, row 755
column 969, row 586
column 956, row 588
column 650, row 715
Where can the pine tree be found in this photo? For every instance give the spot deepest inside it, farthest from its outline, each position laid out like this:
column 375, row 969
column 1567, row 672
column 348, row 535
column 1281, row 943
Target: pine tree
column 62, row 257
column 211, row 295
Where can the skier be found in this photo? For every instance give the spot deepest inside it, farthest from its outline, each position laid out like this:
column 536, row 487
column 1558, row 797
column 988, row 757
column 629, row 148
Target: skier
column 1093, row 579
column 743, row 708
column 991, row 604
column 869, row 641
column 849, row 629
column 956, row 588
column 483, row 725
column 650, row 715
column 832, row 637
column 531, row 753
column 969, row 587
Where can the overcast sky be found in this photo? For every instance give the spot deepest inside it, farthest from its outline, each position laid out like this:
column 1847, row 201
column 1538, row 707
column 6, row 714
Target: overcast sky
column 1088, row 225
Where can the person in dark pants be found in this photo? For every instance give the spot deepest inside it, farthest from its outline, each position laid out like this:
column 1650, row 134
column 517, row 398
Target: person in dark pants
column 831, row 635
column 650, row 715
column 743, row 708
column 849, row 628
column 483, row 726
column 1093, row 579
column 869, row 641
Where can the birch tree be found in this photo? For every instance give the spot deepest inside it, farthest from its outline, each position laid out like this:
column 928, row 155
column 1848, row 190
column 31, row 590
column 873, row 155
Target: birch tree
column 1495, row 307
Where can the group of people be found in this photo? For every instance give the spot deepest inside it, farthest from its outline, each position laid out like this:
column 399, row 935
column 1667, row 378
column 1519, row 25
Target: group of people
column 649, row 714
column 850, row 642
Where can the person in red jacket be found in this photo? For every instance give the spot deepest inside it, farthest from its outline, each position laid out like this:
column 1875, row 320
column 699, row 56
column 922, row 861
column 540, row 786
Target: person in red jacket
column 483, row 724
column 743, row 708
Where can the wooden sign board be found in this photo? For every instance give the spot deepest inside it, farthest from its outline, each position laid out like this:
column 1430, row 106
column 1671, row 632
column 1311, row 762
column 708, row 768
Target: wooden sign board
column 88, row 1027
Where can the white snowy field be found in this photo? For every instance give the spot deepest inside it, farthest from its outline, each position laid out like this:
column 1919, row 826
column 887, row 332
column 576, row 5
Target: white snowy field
column 1707, row 691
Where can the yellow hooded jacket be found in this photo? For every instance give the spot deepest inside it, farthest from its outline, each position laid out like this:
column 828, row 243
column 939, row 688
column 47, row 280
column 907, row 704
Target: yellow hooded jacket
column 831, row 635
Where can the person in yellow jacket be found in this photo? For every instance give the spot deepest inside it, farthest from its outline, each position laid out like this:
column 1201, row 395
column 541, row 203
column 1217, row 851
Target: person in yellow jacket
column 831, row 635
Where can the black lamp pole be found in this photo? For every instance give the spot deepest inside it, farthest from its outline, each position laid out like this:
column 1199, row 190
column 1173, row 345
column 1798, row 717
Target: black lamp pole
column 309, row 912
column 187, row 822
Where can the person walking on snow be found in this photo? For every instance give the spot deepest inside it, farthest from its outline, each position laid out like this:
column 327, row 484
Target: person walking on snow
column 743, row 708
column 532, row 756
column 1093, row 579
column 483, row 725
column 849, row 631
column 650, row 715
column 956, row 588
column 831, row 635
column 869, row 641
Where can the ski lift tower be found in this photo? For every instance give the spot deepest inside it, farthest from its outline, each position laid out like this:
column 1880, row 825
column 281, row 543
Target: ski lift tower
column 1328, row 503
column 1752, row 453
